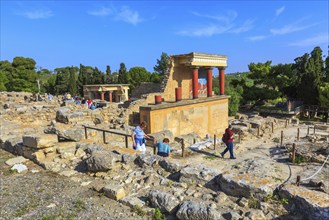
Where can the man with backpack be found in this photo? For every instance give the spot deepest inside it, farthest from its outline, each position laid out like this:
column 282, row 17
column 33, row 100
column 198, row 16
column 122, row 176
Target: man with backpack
column 228, row 140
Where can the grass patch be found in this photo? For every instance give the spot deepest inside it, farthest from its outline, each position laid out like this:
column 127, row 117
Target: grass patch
column 253, row 203
column 282, row 201
column 158, row 215
column 79, row 204
column 210, row 157
column 138, row 210
column 299, row 159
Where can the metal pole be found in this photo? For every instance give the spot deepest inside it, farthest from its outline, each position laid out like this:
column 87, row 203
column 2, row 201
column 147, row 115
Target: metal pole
column 258, row 131
column 126, row 140
column 281, row 137
column 298, row 180
column 293, row 157
column 239, row 137
column 308, row 130
column 104, row 140
column 297, row 134
column 86, row 135
column 154, row 148
column 272, row 125
column 183, row 148
column 214, row 142
column 286, row 123
column 314, row 130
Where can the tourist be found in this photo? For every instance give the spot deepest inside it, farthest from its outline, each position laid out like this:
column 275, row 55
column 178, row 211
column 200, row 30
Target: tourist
column 164, row 148
column 93, row 106
column 138, row 137
column 228, row 140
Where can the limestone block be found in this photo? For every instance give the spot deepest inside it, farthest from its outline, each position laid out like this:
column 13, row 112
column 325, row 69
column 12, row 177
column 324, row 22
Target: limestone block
column 39, row 155
column 66, row 147
column 132, row 201
column 40, row 141
column 114, row 191
column 313, row 204
column 197, row 175
column 16, row 160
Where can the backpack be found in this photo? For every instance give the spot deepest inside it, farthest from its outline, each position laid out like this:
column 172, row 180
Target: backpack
column 225, row 138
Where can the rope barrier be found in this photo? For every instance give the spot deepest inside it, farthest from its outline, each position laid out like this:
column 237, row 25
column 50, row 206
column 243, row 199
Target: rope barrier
column 325, row 161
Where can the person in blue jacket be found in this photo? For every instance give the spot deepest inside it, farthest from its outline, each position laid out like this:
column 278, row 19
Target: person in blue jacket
column 138, row 137
column 164, row 148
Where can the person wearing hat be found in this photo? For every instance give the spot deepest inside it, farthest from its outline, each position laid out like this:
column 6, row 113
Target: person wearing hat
column 228, row 140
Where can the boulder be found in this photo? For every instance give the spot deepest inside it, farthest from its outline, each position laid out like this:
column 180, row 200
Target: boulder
column 197, row 175
column 164, row 201
column 313, row 204
column 102, row 161
column 73, row 134
column 197, row 211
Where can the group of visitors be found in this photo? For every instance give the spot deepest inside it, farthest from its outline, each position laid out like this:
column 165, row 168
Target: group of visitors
column 139, row 140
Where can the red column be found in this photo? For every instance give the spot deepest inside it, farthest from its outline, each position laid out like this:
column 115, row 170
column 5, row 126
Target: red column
column 110, row 96
column 221, row 80
column 178, row 94
column 158, row 99
column 102, row 95
column 209, row 82
column 195, row 83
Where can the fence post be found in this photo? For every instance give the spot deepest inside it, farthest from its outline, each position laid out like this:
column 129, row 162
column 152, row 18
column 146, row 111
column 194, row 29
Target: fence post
column 239, row 137
column 154, row 148
column 104, row 140
column 298, row 180
column 272, row 125
column 308, row 130
column 214, row 142
column 293, row 157
column 86, row 135
column 314, row 130
column 258, row 131
column 297, row 134
column 183, row 148
column 281, row 138
column 286, row 124
column 126, row 140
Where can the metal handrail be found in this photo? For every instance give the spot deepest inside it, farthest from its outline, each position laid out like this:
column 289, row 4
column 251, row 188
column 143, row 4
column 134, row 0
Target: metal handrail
column 106, row 131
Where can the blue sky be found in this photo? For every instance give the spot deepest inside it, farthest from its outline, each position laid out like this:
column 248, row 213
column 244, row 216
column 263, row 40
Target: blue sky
column 99, row 33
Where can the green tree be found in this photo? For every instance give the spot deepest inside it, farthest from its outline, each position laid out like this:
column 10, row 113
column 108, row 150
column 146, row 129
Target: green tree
column 324, row 95
column 155, row 77
column 72, row 84
column 108, row 76
column 326, row 70
column 137, row 75
column 162, row 65
column 62, row 79
column 122, row 78
column 311, row 72
column 3, row 81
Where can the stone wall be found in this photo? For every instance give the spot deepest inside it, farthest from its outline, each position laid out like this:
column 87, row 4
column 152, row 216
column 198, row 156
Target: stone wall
column 201, row 116
column 145, row 88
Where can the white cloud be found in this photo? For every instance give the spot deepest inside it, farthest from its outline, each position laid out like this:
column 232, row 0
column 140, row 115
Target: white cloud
column 127, row 15
column 313, row 41
column 257, row 38
column 38, row 14
column 247, row 25
column 220, row 24
column 279, row 11
column 124, row 14
column 206, row 31
column 102, row 12
column 290, row 28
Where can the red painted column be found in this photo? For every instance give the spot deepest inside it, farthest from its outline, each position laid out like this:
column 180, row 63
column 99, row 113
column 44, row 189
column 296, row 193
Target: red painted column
column 195, row 82
column 178, row 94
column 158, row 99
column 102, row 95
column 110, row 96
column 209, row 82
column 221, row 80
